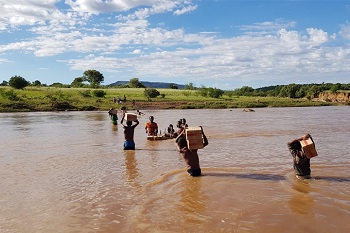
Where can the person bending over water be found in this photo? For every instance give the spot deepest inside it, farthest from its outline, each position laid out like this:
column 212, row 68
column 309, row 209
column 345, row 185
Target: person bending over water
column 190, row 156
column 301, row 163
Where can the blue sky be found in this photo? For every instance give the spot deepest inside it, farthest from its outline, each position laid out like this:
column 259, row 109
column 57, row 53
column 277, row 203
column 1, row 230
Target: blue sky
column 225, row 44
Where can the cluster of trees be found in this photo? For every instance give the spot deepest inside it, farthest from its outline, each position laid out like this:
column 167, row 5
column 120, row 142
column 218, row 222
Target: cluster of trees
column 95, row 78
column 291, row 90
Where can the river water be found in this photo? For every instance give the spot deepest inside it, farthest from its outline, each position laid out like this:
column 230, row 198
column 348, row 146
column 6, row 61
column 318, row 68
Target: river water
column 67, row 172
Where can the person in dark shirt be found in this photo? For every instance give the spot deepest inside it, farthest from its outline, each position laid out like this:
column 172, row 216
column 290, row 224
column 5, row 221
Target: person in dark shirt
column 301, row 163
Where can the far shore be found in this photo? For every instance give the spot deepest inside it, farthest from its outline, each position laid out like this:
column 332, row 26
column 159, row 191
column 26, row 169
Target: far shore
column 81, row 99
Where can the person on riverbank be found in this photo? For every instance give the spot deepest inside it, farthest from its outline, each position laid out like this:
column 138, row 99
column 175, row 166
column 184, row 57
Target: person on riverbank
column 151, row 127
column 129, row 128
column 301, row 163
column 190, row 156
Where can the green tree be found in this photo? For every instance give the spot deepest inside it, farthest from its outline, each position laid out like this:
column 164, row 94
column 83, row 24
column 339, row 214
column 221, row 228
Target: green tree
column 78, row 82
column 173, row 86
column 211, row 92
column 151, row 93
column 37, row 83
column 135, row 83
column 190, row 86
column 18, row 82
column 4, row 83
column 94, row 77
column 335, row 87
column 289, row 90
column 244, row 91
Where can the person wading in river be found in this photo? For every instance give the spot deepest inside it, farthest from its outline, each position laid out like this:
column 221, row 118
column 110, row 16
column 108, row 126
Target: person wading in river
column 129, row 143
column 151, row 127
column 190, row 156
column 301, row 163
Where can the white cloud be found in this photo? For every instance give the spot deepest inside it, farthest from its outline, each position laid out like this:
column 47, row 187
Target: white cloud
column 266, row 49
column 137, row 51
column 267, row 27
column 154, row 6
column 345, row 31
column 185, row 10
column 284, row 54
column 317, row 36
column 4, row 61
column 25, row 12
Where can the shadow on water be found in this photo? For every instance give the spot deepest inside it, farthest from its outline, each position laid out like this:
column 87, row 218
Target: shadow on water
column 153, row 149
column 248, row 176
column 334, row 179
column 274, row 177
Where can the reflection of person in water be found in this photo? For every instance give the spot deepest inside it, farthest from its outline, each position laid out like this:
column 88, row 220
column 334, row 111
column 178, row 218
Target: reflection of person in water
column 301, row 201
column 194, row 199
column 131, row 166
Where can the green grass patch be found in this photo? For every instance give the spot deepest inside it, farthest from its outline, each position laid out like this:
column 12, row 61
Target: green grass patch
column 52, row 98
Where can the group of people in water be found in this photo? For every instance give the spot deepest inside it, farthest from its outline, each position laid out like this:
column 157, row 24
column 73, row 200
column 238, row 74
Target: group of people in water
column 301, row 163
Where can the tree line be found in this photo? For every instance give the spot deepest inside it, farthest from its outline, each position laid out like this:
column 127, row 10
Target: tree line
column 93, row 79
column 291, row 90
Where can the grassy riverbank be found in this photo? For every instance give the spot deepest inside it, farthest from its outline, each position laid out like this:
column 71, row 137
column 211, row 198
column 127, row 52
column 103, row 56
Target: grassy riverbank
column 82, row 99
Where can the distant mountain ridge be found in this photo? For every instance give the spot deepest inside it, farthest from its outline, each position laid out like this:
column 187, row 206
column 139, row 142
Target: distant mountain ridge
column 149, row 84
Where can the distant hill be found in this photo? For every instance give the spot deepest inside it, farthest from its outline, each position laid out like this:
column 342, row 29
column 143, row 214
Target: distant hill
column 149, row 84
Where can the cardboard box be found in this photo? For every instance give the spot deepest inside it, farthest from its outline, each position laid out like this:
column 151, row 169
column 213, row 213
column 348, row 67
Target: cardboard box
column 130, row 117
column 193, row 133
column 309, row 148
column 195, row 144
column 113, row 111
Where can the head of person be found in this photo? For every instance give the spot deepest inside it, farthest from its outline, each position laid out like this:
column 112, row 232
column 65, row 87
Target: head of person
column 183, row 120
column 151, row 118
column 129, row 123
column 179, row 124
column 171, row 126
column 297, row 145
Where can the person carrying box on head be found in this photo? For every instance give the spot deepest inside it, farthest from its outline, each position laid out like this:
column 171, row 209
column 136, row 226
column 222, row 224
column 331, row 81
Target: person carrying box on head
column 302, row 149
column 188, row 147
column 129, row 129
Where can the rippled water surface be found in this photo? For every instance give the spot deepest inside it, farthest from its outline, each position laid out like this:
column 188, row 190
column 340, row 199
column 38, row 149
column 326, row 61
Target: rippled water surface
column 67, row 172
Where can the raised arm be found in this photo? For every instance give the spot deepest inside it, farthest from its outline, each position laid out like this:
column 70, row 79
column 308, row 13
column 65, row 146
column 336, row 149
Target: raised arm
column 205, row 140
column 137, row 123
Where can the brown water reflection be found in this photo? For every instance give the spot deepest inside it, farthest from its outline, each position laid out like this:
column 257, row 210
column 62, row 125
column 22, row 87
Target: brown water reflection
column 67, row 172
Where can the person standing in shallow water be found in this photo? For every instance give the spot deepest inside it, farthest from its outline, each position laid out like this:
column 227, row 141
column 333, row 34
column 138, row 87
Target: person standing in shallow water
column 301, row 163
column 190, row 156
column 151, row 127
column 129, row 129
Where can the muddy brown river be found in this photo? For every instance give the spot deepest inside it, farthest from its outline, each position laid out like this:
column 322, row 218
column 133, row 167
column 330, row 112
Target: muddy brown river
column 67, row 172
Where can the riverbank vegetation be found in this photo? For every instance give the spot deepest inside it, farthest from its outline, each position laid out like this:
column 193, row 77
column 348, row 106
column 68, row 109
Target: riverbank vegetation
column 85, row 99
column 20, row 95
